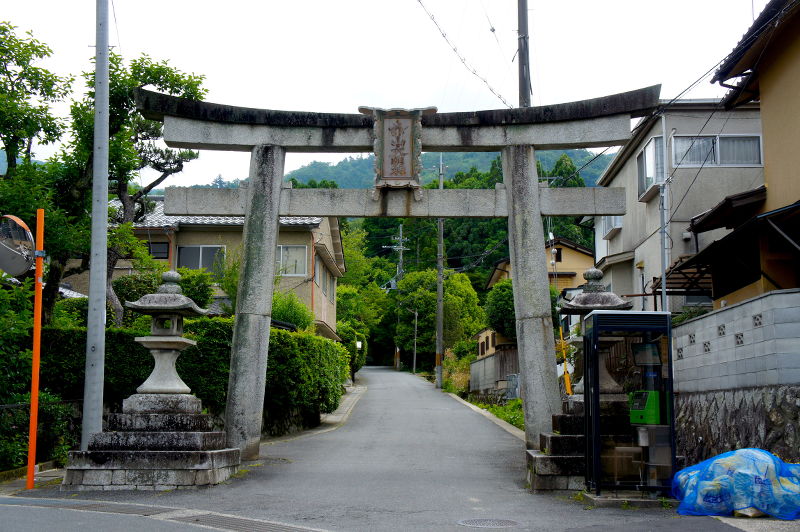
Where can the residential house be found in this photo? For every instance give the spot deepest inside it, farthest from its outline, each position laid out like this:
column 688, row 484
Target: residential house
column 705, row 153
column 765, row 242
column 737, row 368
column 567, row 262
column 309, row 256
column 497, row 355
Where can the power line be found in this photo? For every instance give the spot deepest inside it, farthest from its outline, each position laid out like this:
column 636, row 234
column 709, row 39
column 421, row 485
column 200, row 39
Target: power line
column 116, row 26
column 462, row 58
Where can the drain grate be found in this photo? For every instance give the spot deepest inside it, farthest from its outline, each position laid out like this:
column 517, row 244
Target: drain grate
column 237, row 524
column 488, row 523
column 131, row 509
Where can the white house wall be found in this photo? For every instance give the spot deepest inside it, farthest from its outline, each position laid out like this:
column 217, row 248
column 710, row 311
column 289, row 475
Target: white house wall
column 641, row 222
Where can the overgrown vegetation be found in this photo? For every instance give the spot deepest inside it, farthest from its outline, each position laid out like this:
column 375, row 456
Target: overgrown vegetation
column 689, row 313
column 510, row 412
column 456, row 367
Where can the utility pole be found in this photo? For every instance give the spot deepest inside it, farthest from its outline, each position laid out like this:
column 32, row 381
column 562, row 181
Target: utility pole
column 96, row 327
column 440, row 287
column 414, row 362
column 399, row 248
column 663, row 210
column 522, row 52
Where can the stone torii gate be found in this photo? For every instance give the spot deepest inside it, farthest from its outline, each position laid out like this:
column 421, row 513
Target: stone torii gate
column 269, row 134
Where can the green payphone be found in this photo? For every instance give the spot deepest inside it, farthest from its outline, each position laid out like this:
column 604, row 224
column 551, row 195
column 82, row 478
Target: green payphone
column 647, row 404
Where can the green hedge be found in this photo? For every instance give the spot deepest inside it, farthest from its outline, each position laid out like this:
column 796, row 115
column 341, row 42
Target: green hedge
column 304, row 374
column 350, row 336
column 56, row 433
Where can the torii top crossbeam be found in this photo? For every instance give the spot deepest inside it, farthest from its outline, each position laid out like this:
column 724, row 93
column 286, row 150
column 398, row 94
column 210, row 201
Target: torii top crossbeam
column 590, row 123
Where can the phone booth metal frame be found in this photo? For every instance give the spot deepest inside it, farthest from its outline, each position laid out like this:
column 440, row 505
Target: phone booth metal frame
column 655, row 475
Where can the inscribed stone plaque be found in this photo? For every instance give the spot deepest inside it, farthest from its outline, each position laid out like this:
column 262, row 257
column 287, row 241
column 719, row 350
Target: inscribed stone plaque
column 398, row 147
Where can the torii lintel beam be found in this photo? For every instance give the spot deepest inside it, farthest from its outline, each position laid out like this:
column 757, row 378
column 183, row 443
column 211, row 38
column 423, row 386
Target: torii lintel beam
column 596, row 122
column 448, row 203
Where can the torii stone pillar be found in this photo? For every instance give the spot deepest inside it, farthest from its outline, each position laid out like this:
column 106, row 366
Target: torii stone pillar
column 535, row 345
column 247, row 378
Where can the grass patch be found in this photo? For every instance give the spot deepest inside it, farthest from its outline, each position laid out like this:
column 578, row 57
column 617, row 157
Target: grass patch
column 626, row 505
column 578, row 496
column 511, row 412
column 241, row 473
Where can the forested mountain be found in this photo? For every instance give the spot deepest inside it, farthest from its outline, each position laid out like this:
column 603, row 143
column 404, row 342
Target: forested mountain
column 359, row 172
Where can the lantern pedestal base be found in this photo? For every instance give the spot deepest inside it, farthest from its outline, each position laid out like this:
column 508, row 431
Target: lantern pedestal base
column 159, row 442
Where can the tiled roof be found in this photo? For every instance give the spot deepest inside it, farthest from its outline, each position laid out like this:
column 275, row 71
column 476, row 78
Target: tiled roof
column 157, row 218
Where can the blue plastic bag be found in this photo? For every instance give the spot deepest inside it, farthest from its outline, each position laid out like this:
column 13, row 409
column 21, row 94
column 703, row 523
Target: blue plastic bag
column 739, row 481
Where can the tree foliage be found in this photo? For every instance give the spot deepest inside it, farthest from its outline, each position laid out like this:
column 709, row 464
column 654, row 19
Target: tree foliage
column 500, row 309
column 134, row 141
column 26, row 92
column 463, row 317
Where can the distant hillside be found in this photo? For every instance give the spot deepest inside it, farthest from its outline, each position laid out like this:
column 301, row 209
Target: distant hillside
column 358, row 172
column 3, row 165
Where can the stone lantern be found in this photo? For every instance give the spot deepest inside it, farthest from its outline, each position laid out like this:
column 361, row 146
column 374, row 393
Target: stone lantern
column 161, row 440
column 596, row 297
column 167, row 308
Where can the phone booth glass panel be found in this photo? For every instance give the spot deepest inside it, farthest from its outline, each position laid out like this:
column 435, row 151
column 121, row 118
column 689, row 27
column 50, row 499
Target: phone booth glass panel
column 630, row 437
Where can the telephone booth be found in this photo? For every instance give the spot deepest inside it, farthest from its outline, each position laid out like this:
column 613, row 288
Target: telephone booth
column 630, row 437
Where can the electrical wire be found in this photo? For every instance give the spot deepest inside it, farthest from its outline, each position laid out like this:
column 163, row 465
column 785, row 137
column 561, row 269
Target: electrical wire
column 462, row 58
column 116, row 26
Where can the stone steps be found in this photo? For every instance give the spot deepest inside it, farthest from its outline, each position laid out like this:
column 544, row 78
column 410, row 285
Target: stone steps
column 573, row 424
column 157, row 441
column 152, row 479
column 160, row 441
column 160, row 422
column 561, row 444
column 153, row 459
column 548, row 464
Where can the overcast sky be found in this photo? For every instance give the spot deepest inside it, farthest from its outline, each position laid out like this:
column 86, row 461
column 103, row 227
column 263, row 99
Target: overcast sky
column 333, row 56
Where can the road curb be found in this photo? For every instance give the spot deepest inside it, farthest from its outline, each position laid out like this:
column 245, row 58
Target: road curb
column 508, row 427
column 330, row 422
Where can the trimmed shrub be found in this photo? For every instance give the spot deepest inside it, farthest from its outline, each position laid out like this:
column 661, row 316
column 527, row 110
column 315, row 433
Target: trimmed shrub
column 197, row 285
column 350, row 336
column 305, row 372
column 55, row 431
column 288, row 307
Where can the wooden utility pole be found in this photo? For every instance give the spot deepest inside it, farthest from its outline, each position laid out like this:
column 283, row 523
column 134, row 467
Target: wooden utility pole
column 522, row 52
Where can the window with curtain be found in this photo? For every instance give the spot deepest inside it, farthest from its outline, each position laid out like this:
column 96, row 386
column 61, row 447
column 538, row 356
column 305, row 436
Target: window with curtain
column 650, row 164
column 717, row 150
column 291, row 260
column 196, row 257
column 740, row 150
column 694, row 151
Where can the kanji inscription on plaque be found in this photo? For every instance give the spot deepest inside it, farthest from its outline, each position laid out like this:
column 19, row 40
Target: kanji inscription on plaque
column 398, row 147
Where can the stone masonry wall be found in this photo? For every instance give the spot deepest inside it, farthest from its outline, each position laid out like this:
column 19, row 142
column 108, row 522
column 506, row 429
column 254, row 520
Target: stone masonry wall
column 710, row 423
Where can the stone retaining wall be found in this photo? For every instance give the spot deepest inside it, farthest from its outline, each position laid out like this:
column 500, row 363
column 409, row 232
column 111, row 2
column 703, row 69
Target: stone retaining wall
column 767, row 417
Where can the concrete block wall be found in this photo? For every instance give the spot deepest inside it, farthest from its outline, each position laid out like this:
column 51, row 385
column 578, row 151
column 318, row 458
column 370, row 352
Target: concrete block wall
column 483, row 374
column 752, row 343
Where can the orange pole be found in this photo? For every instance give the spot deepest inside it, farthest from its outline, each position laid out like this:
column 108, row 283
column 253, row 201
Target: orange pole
column 37, row 344
column 567, row 380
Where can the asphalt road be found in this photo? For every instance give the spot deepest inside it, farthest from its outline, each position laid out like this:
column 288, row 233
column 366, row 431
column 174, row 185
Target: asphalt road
column 408, row 458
